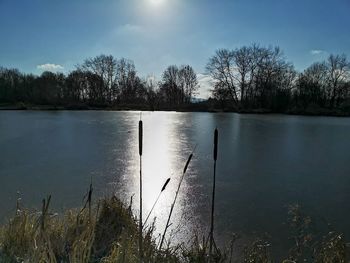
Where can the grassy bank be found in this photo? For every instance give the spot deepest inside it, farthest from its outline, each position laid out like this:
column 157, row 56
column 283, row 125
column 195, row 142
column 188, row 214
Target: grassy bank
column 107, row 232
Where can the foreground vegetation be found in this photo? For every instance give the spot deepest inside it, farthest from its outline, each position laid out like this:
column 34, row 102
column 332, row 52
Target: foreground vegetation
column 108, row 232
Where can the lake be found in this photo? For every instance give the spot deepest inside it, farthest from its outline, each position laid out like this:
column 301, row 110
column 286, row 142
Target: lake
column 265, row 163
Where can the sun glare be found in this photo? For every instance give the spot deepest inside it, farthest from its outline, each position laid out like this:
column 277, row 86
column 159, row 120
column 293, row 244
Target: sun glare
column 157, row 2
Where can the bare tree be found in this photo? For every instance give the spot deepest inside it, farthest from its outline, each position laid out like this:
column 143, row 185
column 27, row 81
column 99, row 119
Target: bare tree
column 311, row 86
column 105, row 67
column 221, row 68
column 171, row 86
column 188, row 82
column 151, row 86
column 338, row 74
column 244, row 61
column 128, row 86
column 251, row 76
column 178, row 85
column 77, row 87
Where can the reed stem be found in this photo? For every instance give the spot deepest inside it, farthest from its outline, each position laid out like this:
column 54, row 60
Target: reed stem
column 140, row 219
column 154, row 204
column 173, row 204
column 215, row 155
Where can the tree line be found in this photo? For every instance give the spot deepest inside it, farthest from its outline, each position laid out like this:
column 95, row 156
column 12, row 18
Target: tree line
column 246, row 78
column 100, row 81
column 254, row 77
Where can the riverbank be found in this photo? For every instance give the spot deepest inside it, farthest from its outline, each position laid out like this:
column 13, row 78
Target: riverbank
column 107, row 232
column 194, row 107
column 104, row 232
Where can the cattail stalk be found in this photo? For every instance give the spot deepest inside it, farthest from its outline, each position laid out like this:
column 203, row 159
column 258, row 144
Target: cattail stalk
column 161, row 191
column 89, row 200
column 140, row 219
column 216, row 135
column 44, row 212
column 173, row 204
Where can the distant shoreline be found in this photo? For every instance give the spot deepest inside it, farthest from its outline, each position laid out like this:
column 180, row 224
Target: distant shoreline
column 195, row 107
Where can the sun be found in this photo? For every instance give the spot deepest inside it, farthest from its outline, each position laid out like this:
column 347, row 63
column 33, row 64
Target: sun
column 157, row 2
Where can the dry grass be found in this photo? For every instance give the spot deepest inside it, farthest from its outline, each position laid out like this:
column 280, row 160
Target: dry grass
column 77, row 236
column 108, row 233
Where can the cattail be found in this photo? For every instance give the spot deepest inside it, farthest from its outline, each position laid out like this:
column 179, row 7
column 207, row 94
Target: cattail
column 44, row 211
column 89, row 200
column 166, row 183
column 150, row 212
column 216, row 137
column 140, row 222
column 173, row 204
column 187, row 163
column 140, row 137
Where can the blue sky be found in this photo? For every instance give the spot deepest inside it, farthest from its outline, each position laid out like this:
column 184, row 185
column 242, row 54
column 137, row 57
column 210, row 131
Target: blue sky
column 158, row 33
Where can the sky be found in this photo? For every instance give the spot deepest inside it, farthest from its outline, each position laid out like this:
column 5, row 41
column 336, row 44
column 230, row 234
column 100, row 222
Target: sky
column 57, row 35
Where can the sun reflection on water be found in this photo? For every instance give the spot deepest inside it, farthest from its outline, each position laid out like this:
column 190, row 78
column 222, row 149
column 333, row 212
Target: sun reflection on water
column 164, row 154
column 157, row 162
